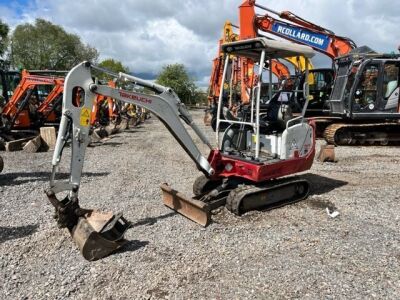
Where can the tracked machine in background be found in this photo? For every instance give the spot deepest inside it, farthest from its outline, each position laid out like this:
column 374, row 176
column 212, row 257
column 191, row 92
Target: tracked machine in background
column 363, row 103
column 34, row 101
column 365, row 100
column 242, row 173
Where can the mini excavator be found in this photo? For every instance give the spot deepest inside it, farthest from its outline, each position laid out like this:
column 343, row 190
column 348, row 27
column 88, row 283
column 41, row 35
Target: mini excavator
column 29, row 106
column 242, row 173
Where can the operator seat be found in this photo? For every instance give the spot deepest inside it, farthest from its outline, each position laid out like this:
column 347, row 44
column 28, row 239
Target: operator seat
column 278, row 112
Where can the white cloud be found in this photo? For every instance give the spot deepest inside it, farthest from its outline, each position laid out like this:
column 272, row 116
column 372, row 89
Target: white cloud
column 145, row 35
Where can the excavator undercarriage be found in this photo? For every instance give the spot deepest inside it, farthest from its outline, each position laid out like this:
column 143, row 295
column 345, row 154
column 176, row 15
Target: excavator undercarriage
column 238, row 198
column 382, row 134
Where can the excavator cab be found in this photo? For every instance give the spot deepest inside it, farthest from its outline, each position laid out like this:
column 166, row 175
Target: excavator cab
column 260, row 131
column 320, row 83
column 366, row 94
column 367, row 87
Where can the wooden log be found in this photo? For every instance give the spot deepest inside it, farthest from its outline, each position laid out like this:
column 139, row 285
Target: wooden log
column 17, row 145
column 49, row 138
column 33, row 145
column 327, row 153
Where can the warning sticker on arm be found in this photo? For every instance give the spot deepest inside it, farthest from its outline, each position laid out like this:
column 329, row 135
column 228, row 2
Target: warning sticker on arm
column 85, row 117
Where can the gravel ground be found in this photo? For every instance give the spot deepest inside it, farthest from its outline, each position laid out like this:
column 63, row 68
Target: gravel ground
column 296, row 251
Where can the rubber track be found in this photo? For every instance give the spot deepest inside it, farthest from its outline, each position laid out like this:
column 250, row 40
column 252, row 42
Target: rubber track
column 237, row 195
column 331, row 131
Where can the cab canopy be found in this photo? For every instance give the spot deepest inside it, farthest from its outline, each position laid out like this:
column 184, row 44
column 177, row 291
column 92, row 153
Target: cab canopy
column 252, row 49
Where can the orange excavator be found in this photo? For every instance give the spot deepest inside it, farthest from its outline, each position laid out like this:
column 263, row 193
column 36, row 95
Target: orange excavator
column 299, row 30
column 34, row 101
column 361, row 105
column 103, row 111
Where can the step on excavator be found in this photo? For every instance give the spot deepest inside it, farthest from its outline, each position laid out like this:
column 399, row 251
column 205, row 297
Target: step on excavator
column 242, row 173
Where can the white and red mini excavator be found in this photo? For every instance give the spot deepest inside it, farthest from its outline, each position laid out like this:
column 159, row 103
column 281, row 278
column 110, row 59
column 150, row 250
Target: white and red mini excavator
column 254, row 149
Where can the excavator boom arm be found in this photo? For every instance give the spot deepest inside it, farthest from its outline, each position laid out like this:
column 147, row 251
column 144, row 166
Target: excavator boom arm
column 299, row 30
column 79, row 94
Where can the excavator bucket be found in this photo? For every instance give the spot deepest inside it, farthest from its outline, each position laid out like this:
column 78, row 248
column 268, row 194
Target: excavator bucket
column 98, row 234
column 192, row 209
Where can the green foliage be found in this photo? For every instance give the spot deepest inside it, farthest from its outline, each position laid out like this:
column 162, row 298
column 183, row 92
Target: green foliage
column 4, row 29
column 44, row 45
column 112, row 65
column 176, row 77
column 200, row 97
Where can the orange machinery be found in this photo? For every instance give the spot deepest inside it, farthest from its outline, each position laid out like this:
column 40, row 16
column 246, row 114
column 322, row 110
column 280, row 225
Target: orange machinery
column 299, row 30
column 28, row 107
column 100, row 100
column 241, row 73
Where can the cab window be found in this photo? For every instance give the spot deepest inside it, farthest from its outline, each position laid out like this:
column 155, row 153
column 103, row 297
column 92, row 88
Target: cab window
column 391, row 79
column 366, row 92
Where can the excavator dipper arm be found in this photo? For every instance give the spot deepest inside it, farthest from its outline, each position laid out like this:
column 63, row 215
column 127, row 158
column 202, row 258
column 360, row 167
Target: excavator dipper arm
column 98, row 234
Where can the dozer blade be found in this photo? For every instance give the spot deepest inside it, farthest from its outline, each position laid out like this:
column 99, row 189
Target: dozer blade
column 192, row 209
column 98, row 234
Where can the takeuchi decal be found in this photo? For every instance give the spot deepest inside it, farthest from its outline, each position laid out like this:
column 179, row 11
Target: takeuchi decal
column 134, row 97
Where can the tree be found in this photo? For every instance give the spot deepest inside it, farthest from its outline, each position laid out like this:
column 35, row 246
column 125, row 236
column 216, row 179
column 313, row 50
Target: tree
column 4, row 29
column 112, row 65
column 176, row 77
column 44, row 45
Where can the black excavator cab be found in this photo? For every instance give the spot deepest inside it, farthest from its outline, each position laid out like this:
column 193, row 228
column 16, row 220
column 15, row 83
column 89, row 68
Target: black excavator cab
column 366, row 87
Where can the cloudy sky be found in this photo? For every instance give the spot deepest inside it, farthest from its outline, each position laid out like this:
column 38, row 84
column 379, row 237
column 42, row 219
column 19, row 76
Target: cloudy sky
column 145, row 35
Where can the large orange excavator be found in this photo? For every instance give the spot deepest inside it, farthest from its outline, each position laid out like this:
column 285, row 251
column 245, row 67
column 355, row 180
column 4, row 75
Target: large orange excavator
column 34, row 101
column 299, row 30
column 361, row 105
